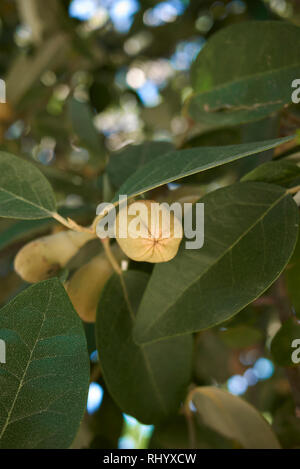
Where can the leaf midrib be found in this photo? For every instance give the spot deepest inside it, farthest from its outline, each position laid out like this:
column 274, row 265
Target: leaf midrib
column 26, row 201
column 22, row 380
column 245, row 78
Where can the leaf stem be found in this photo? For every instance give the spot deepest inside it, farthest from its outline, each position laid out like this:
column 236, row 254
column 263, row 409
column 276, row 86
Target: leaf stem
column 118, row 270
column 293, row 190
column 189, row 416
column 110, row 256
column 191, row 428
column 71, row 224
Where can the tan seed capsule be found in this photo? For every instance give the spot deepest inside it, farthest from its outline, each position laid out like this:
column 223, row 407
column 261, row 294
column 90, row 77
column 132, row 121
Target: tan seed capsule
column 85, row 286
column 43, row 257
column 148, row 232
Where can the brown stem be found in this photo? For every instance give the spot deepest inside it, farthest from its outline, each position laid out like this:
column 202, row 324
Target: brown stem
column 189, row 416
column 71, row 224
column 264, row 301
column 191, row 427
column 293, row 190
column 285, row 313
column 285, row 147
column 110, row 256
column 292, row 118
column 95, row 373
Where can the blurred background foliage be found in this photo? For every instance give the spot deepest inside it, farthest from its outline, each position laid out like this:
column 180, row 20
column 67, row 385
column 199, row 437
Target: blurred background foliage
column 85, row 78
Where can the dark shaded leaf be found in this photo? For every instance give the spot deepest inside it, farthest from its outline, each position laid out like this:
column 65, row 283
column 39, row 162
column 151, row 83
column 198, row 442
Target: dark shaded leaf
column 125, row 162
column 285, row 346
column 234, row 418
column 143, row 380
column 44, row 381
column 233, row 86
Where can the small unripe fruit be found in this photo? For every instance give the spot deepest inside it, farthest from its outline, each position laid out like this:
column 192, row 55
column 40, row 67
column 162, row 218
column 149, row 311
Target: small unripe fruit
column 85, row 286
column 43, row 257
column 148, row 232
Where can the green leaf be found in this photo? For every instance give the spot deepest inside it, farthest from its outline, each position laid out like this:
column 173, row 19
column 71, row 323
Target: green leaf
column 287, row 424
column 100, row 92
column 216, row 137
column 241, row 336
column 245, row 224
column 234, row 418
column 281, row 346
column 24, row 192
column 44, row 382
column 237, row 84
column 281, row 172
column 174, row 434
column 143, row 380
column 125, row 162
column 83, row 126
column 242, row 102
column 292, row 275
column 178, row 164
column 216, row 365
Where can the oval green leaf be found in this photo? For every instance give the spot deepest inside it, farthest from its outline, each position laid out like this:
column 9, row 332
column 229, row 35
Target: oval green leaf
column 282, row 172
column 179, row 164
column 143, row 380
column 245, row 224
column 235, row 83
column 81, row 116
column 25, row 193
column 44, row 382
column 241, row 336
column 234, row 418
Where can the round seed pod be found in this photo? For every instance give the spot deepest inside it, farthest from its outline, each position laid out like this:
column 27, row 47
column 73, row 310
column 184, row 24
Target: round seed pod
column 44, row 257
column 148, row 232
column 85, row 286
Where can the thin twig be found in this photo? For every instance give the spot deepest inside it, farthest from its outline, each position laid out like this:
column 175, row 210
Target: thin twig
column 191, row 428
column 264, row 301
column 71, row 224
column 293, row 190
column 284, row 147
column 189, row 416
column 118, row 270
column 110, row 256
column 95, row 373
